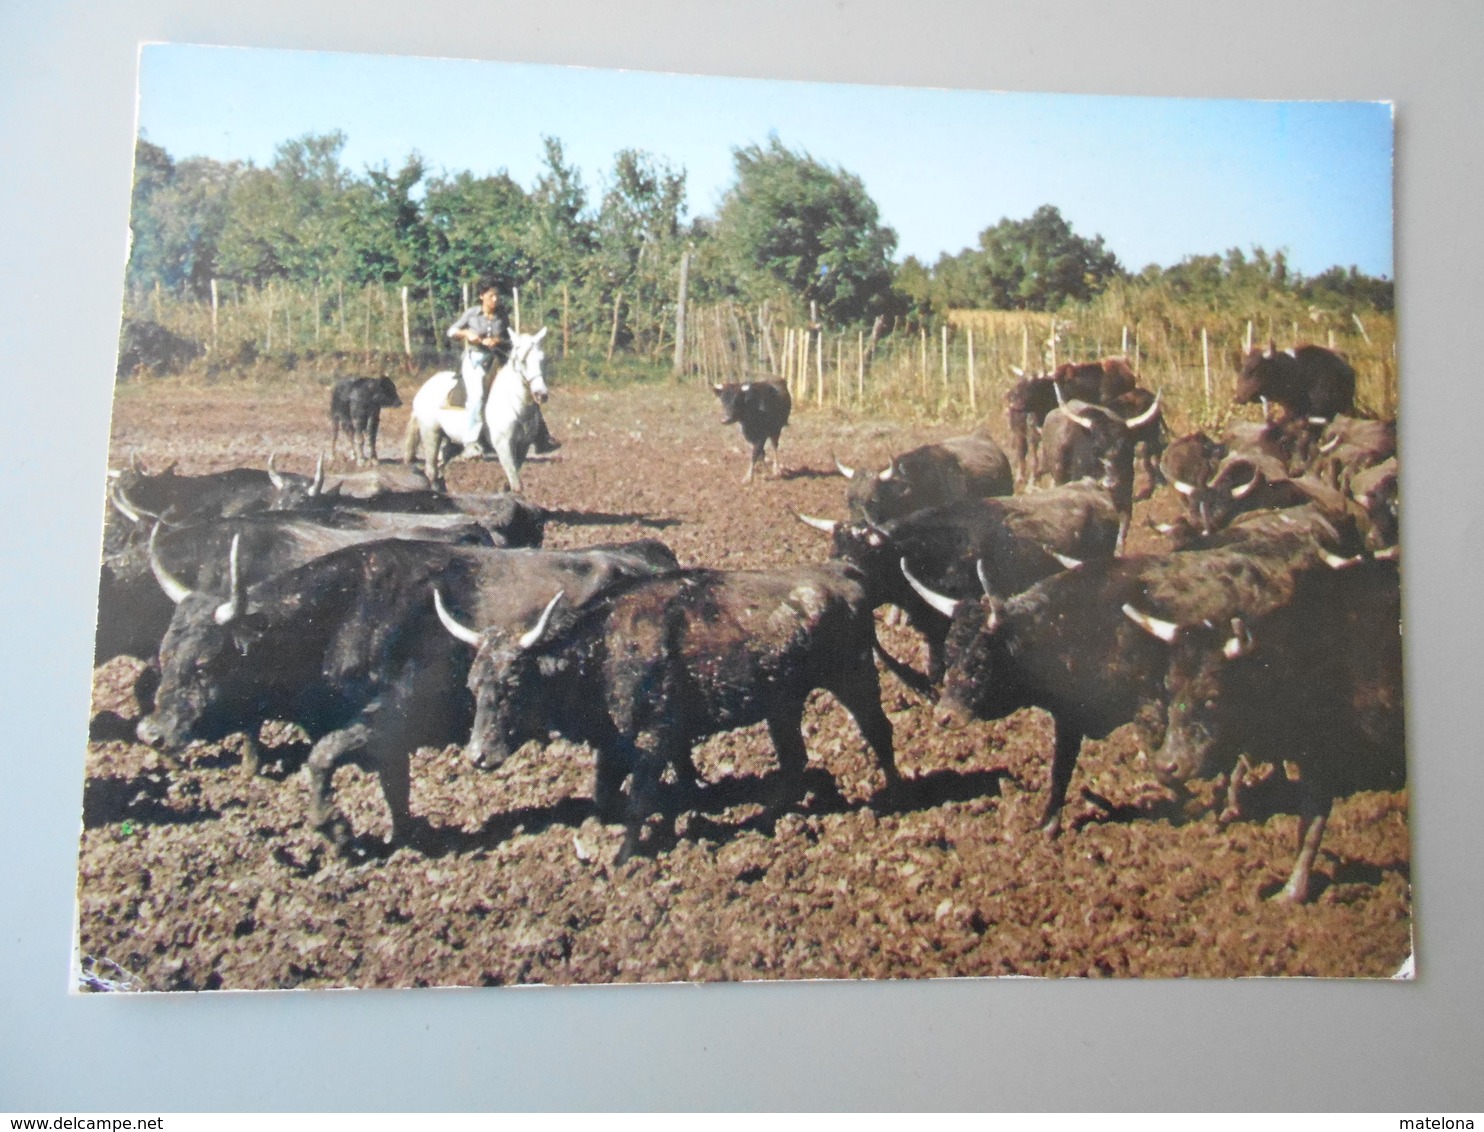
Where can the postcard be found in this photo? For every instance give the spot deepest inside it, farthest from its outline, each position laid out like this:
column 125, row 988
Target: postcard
column 578, row 526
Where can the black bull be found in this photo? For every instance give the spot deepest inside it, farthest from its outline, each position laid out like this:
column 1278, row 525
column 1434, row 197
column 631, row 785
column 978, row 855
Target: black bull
column 349, row 647
column 1317, row 682
column 659, row 663
column 138, row 587
column 1068, row 645
column 1022, row 539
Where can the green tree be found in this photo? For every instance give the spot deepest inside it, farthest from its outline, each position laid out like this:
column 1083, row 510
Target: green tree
column 639, row 240
column 477, row 226
column 1040, row 263
column 178, row 213
column 289, row 220
column 387, row 239
column 791, row 221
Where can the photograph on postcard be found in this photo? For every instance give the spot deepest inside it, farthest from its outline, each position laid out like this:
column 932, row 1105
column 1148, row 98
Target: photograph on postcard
column 581, row 526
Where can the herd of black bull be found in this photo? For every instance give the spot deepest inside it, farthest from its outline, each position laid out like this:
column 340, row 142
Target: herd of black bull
column 367, row 608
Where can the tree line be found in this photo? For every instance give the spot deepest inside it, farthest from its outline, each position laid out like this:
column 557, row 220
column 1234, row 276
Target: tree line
column 790, row 230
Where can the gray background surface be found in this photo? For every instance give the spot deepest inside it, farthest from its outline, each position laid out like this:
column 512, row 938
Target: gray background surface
column 67, row 74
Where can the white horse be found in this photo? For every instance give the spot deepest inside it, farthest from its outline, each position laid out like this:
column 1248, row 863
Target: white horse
column 510, row 414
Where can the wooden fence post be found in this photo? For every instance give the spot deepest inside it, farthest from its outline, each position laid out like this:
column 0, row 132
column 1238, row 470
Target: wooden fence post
column 1206, row 366
column 406, row 325
column 564, row 320
column 515, row 326
column 1247, row 342
column 819, row 368
column 973, row 393
column 679, row 313
column 922, row 367
column 613, row 334
column 945, row 362
column 839, row 370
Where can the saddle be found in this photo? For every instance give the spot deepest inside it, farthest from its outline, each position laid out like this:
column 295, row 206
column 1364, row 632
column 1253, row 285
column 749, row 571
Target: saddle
column 458, row 396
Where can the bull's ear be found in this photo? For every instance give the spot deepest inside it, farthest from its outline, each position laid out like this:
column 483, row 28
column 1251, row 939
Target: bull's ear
column 747, row 387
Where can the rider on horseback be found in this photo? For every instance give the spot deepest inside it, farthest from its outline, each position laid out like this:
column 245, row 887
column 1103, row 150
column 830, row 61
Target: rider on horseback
column 486, row 341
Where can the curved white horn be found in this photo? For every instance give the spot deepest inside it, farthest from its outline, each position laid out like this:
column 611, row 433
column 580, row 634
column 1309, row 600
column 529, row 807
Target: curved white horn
column 176, row 590
column 116, row 497
column 460, row 631
column 887, row 472
column 534, row 635
column 1085, row 422
column 941, row 602
column 540, row 334
column 1164, row 630
column 715, row 388
column 1065, row 559
column 1319, row 420
column 1388, row 554
column 1147, row 415
column 826, row 525
column 1183, row 488
column 847, row 472
column 1328, row 446
column 1060, row 400
column 1266, row 416
column 1017, row 371
column 274, row 476
column 134, row 462
column 231, row 609
column 982, row 573
column 317, row 484
column 1335, row 562
column 1242, row 491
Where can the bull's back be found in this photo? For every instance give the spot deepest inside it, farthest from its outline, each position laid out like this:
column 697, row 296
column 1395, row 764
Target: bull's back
column 715, row 650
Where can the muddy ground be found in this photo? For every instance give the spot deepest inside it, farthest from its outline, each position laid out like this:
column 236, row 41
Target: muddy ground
column 199, row 878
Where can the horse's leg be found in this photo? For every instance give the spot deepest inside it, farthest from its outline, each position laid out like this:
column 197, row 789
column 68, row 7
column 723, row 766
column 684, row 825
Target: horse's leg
column 432, row 442
column 410, row 440
column 505, row 449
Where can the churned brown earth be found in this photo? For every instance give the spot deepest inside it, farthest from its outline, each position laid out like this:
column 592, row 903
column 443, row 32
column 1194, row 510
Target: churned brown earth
column 198, row 878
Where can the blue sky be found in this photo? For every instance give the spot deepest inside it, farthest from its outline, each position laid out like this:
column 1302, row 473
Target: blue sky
column 1158, row 179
